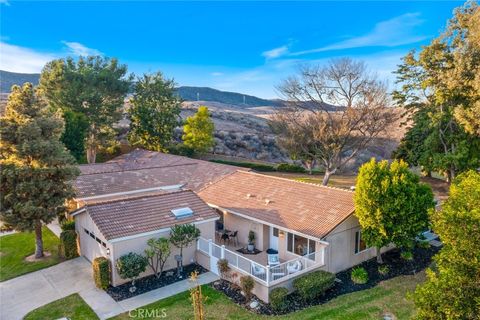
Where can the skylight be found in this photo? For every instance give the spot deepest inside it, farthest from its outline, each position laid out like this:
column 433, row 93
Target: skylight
column 182, row 212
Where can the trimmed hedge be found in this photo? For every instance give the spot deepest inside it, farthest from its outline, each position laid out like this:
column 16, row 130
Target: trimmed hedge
column 68, row 244
column 278, row 299
column 251, row 165
column 313, row 285
column 68, row 225
column 101, row 272
column 290, row 167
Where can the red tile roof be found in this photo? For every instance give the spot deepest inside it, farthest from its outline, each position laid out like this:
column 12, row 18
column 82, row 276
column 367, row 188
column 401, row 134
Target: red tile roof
column 141, row 169
column 136, row 215
column 306, row 208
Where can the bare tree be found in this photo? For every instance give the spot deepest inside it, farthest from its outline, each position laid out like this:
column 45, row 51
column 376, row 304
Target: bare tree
column 332, row 113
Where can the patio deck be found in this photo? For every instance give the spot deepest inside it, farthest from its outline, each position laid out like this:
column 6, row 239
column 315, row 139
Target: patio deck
column 260, row 258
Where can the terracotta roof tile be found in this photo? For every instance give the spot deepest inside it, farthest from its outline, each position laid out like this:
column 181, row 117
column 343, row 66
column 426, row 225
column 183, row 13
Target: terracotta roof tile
column 135, row 215
column 306, row 208
column 143, row 169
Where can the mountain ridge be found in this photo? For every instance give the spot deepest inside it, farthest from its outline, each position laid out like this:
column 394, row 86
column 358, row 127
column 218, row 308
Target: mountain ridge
column 187, row 93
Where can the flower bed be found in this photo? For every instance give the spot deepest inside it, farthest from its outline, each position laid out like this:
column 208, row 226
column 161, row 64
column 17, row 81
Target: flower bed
column 397, row 266
column 151, row 282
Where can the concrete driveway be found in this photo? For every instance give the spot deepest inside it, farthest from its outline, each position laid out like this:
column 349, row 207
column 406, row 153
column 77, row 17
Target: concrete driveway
column 23, row 294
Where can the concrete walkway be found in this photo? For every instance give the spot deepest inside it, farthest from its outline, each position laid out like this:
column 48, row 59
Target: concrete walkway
column 20, row 295
column 23, row 294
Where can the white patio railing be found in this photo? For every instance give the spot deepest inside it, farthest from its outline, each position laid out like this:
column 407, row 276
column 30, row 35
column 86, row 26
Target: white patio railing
column 268, row 275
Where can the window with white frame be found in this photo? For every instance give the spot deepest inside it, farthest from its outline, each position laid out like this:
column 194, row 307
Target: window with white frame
column 360, row 244
column 300, row 245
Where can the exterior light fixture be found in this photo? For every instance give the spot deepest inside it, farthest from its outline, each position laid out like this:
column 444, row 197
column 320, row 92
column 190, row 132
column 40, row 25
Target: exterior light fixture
column 108, row 251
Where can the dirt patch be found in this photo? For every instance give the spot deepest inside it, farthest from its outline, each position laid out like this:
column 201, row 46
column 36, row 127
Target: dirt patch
column 32, row 258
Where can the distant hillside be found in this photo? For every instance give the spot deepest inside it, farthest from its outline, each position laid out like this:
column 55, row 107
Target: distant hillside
column 8, row 79
column 209, row 94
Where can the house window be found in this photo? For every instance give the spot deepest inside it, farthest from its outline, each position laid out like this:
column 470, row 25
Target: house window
column 275, row 232
column 300, row 245
column 360, row 244
column 290, row 242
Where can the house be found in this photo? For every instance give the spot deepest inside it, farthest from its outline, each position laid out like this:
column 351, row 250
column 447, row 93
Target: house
column 312, row 227
column 298, row 227
column 112, row 228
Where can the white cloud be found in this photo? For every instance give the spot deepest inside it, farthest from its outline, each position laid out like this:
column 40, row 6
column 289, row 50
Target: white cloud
column 389, row 33
column 216, row 74
column 20, row 59
column 276, row 52
column 79, row 49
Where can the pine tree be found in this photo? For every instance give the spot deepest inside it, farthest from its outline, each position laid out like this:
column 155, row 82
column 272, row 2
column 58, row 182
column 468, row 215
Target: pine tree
column 94, row 89
column 198, row 131
column 154, row 112
column 36, row 169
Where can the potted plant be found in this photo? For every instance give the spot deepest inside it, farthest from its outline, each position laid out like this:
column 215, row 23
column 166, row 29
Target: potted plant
column 251, row 241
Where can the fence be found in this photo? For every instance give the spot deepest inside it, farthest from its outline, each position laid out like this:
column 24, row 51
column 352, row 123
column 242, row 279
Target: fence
column 268, row 275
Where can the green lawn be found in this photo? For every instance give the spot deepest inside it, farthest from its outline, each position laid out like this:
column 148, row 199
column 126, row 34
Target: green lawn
column 72, row 307
column 388, row 296
column 15, row 247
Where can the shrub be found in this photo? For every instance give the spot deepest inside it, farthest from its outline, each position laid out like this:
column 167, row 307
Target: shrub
column 289, row 167
column 313, row 285
column 68, row 225
column 423, row 244
column 406, row 255
column 223, row 267
column 68, row 244
column 359, row 275
column 101, row 272
column 131, row 265
column 383, row 269
column 251, row 165
column 247, row 283
column 181, row 150
column 278, row 298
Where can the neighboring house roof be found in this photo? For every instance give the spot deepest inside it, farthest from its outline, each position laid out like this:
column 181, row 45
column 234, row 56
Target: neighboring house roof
column 141, row 169
column 133, row 216
column 309, row 209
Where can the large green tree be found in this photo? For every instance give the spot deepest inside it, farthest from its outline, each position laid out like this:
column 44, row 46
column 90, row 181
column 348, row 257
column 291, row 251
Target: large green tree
column 94, row 87
column 452, row 288
column 391, row 204
column 36, row 169
column 442, row 84
column 154, row 112
column 198, row 131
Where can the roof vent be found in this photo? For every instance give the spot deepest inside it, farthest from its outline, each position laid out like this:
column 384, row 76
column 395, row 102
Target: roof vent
column 182, row 212
column 267, row 201
column 249, row 195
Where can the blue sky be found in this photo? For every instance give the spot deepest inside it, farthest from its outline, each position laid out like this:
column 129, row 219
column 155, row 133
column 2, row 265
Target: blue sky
column 246, row 47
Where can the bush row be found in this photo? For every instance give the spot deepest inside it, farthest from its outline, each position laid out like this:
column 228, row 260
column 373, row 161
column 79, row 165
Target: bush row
column 282, row 167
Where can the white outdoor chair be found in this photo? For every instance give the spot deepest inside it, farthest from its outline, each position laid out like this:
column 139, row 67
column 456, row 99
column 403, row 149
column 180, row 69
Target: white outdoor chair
column 294, row 267
column 258, row 271
column 273, row 260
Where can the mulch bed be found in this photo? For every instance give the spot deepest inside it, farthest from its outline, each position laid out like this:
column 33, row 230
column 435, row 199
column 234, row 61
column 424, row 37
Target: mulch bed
column 151, row 282
column 245, row 251
column 397, row 266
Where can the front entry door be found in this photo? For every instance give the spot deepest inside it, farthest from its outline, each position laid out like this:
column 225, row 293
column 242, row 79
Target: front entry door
column 273, row 238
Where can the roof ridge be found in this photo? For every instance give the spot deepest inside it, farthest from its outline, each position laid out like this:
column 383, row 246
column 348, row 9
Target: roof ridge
column 218, row 180
column 137, row 169
column 296, row 181
column 132, row 198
